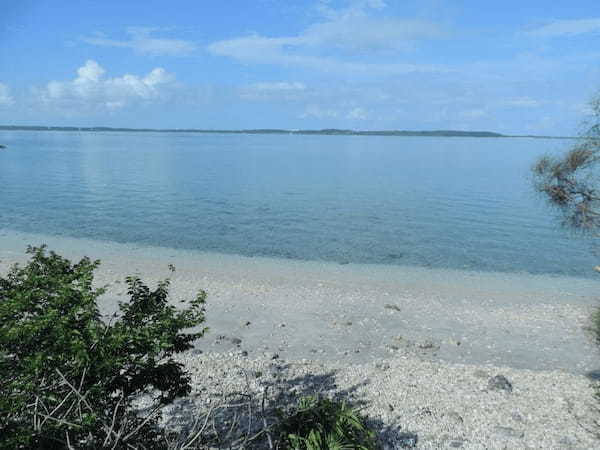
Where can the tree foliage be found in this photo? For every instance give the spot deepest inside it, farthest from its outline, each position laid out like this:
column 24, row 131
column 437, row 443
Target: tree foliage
column 68, row 379
column 570, row 182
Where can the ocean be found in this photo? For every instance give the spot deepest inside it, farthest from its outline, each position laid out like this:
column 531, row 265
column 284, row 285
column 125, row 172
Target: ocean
column 450, row 203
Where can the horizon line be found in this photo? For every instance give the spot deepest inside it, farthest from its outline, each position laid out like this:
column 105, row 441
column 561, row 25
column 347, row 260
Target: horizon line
column 322, row 131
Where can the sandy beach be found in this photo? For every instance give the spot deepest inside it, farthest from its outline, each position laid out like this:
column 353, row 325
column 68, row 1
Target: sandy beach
column 418, row 347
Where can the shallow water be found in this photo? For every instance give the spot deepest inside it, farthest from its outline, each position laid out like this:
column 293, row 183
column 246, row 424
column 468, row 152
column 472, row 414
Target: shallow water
column 457, row 203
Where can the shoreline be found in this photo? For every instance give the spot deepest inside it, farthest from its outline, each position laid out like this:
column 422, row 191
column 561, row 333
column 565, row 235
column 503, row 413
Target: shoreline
column 355, row 314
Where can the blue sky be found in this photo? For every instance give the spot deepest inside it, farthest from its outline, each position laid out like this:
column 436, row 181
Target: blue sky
column 513, row 66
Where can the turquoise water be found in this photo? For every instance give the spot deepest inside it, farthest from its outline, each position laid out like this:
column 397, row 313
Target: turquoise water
column 461, row 203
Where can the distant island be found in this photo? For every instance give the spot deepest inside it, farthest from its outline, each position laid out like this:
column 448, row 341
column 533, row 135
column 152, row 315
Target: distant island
column 326, row 131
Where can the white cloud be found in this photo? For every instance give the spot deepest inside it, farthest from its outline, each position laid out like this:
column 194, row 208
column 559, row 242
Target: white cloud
column 475, row 113
column 279, row 90
column 352, row 31
column 575, row 27
column 91, row 91
column 141, row 41
column 5, row 97
column 319, row 112
column 523, row 102
column 279, row 51
column 279, row 86
column 357, row 114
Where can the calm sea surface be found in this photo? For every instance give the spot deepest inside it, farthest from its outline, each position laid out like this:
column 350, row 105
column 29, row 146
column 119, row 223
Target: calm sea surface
column 464, row 203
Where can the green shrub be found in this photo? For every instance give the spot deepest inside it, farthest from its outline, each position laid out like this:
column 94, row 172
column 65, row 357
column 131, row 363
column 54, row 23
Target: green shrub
column 67, row 378
column 324, row 424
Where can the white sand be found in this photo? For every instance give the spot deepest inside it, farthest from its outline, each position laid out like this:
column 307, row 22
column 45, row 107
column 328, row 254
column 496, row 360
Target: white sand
column 442, row 333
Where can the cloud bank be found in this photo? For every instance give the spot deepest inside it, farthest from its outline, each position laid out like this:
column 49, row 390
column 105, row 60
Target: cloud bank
column 352, row 32
column 90, row 90
column 560, row 28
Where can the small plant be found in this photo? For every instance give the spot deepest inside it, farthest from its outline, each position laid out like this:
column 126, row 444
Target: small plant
column 70, row 380
column 324, row 424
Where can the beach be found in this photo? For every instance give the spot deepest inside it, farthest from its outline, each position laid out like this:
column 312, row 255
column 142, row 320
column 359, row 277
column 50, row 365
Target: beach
column 409, row 339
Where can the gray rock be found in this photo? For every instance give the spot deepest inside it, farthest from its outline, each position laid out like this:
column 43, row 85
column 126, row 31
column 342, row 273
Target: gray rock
column 382, row 366
column 455, row 417
column 428, row 345
column 517, row 417
column 509, row 432
column 407, row 440
column 392, row 307
column 236, row 341
column 568, row 442
column 457, row 443
column 499, row 383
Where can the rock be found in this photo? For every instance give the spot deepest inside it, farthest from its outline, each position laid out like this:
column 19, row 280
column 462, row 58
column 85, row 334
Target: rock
column 244, row 353
column 428, row 345
column 392, row 307
column 517, row 417
column 2, row 146
column 236, row 341
column 425, row 412
column 568, row 442
column 384, row 366
column 509, row 432
column 499, row 383
column 248, row 323
column 275, row 356
column 457, row 443
column 407, row 440
column 455, row 417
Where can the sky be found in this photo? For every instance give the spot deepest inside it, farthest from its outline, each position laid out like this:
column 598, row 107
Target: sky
column 515, row 67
